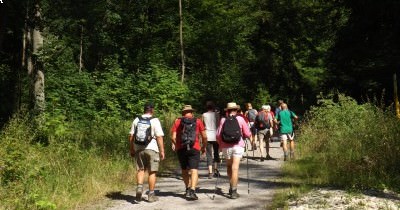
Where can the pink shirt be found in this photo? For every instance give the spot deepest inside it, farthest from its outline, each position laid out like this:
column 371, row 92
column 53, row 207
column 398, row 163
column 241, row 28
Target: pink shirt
column 245, row 133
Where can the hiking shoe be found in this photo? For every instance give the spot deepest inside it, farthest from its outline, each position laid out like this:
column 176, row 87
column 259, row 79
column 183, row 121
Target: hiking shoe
column 139, row 192
column 187, row 193
column 210, row 176
column 152, row 198
column 138, row 196
column 269, row 158
column 192, row 195
column 234, row 194
column 217, row 174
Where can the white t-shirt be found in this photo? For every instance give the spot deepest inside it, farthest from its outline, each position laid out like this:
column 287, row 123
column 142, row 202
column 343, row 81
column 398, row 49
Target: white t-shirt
column 156, row 130
column 210, row 122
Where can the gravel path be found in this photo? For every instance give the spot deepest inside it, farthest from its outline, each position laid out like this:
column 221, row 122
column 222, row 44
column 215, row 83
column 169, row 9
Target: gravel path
column 263, row 180
column 332, row 199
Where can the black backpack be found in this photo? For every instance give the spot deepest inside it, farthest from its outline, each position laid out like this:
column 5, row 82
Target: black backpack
column 261, row 123
column 143, row 131
column 188, row 131
column 231, row 132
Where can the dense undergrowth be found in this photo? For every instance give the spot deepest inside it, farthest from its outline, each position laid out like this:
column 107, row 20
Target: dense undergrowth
column 68, row 169
column 346, row 145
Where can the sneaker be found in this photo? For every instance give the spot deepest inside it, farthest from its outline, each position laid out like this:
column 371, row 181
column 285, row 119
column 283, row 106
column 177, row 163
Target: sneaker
column 192, row 195
column 152, row 198
column 210, row 176
column 139, row 192
column 187, row 193
column 269, row 158
column 217, row 174
column 138, row 196
column 262, row 159
column 234, row 194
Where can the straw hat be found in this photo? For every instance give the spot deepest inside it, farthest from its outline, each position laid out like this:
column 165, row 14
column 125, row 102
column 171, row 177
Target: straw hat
column 231, row 105
column 187, row 108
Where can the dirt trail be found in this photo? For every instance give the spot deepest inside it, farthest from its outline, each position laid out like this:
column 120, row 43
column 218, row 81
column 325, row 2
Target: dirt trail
column 170, row 188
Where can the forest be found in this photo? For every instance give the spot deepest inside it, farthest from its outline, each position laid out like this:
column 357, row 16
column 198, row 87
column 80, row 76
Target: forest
column 79, row 71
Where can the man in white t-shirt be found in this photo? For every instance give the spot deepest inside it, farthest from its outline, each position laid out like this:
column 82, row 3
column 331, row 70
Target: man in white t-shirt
column 211, row 121
column 146, row 145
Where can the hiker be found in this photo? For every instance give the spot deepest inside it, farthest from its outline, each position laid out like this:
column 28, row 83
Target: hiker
column 284, row 119
column 264, row 125
column 146, row 145
column 211, row 120
column 185, row 141
column 278, row 107
column 231, row 131
column 251, row 116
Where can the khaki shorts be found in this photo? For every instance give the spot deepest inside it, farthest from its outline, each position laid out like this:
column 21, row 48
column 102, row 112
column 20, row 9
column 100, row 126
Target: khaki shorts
column 263, row 135
column 147, row 160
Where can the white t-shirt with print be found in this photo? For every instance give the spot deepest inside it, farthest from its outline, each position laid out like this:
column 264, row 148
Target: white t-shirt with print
column 156, row 130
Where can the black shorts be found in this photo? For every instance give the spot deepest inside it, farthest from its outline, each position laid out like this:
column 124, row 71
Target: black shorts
column 189, row 159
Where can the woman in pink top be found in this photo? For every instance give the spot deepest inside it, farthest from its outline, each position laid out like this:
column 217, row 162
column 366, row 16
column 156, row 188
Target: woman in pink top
column 233, row 152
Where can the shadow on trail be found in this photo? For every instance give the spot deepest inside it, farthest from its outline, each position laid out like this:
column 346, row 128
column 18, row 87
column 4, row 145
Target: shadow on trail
column 120, row 196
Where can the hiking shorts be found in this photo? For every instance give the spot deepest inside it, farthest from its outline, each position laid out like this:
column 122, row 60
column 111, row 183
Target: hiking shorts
column 231, row 152
column 285, row 136
column 147, row 159
column 253, row 129
column 263, row 135
column 189, row 159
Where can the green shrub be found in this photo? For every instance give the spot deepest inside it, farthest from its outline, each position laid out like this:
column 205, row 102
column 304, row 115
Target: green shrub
column 349, row 144
column 71, row 170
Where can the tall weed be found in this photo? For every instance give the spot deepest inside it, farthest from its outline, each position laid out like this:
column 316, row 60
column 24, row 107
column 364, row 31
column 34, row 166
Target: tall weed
column 350, row 145
column 71, row 170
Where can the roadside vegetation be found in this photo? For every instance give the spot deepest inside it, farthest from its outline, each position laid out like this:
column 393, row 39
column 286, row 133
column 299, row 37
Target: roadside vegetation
column 69, row 169
column 346, row 145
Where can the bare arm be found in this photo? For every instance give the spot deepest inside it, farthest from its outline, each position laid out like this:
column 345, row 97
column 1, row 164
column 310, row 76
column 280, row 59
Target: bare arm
column 173, row 140
column 132, row 145
column 204, row 141
column 160, row 142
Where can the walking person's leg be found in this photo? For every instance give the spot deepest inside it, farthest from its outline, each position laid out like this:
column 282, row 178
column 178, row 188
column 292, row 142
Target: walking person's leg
column 193, row 165
column 153, row 165
column 237, row 154
column 284, row 140
column 216, row 158
column 261, row 138
column 139, row 158
column 292, row 147
column 209, row 151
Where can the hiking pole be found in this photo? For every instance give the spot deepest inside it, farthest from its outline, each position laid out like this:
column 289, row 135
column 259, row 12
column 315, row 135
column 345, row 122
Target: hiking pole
column 247, row 166
column 216, row 182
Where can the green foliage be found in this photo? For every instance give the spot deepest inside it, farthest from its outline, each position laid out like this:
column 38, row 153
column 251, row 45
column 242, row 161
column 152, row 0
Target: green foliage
column 351, row 144
column 64, row 174
column 262, row 97
column 160, row 85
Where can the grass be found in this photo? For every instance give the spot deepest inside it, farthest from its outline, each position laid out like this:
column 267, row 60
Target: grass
column 77, row 165
column 345, row 145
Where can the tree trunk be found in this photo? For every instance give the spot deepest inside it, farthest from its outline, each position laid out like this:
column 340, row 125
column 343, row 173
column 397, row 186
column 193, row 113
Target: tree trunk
column 396, row 96
column 32, row 42
column 81, row 51
column 181, row 41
